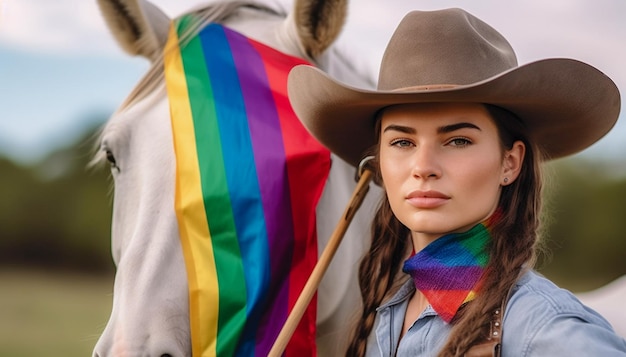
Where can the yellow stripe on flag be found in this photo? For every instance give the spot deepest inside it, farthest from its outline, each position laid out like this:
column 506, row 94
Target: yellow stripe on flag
column 192, row 221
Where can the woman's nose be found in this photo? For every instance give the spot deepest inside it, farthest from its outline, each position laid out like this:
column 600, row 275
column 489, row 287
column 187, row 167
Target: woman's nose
column 426, row 163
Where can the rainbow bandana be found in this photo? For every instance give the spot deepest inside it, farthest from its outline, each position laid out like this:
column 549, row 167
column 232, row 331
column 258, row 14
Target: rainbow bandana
column 248, row 179
column 448, row 270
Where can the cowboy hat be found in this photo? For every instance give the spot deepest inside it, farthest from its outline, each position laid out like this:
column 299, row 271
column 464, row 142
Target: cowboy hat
column 451, row 56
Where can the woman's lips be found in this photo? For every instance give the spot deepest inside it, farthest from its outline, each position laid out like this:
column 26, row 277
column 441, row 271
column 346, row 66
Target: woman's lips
column 427, row 199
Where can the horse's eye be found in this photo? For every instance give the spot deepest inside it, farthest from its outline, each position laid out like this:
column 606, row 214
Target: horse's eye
column 111, row 160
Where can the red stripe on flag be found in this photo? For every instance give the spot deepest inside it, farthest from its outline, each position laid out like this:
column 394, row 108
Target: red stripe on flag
column 308, row 164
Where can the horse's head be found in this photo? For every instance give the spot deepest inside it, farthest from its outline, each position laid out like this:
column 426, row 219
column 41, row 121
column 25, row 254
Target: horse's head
column 150, row 314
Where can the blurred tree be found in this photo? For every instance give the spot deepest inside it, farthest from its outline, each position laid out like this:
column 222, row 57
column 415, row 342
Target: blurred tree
column 586, row 225
column 57, row 212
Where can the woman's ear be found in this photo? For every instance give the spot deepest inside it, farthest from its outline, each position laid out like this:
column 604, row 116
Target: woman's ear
column 512, row 163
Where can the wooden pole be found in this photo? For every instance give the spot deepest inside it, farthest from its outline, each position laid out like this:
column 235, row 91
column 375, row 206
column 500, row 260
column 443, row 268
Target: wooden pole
column 322, row 265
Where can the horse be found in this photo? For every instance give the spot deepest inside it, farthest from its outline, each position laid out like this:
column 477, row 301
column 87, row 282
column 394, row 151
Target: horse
column 150, row 310
column 608, row 300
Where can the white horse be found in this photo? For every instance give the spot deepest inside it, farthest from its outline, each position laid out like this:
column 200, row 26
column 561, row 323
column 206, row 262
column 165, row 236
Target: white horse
column 609, row 300
column 150, row 313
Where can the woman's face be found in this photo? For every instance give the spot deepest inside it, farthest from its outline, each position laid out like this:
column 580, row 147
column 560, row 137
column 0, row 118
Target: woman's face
column 443, row 166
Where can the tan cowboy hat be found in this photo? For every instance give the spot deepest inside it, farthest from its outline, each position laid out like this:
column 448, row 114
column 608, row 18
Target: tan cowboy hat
column 452, row 56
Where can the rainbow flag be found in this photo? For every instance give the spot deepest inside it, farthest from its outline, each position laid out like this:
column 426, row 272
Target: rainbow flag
column 248, row 179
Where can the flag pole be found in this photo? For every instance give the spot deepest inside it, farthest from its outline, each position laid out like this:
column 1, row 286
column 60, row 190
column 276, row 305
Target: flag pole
column 324, row 261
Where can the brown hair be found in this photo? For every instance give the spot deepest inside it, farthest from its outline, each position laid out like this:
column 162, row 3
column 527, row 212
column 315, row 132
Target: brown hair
column 513, row 246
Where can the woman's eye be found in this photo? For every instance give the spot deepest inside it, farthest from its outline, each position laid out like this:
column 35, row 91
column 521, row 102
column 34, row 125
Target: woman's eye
column 460, row 142
column 403, row 143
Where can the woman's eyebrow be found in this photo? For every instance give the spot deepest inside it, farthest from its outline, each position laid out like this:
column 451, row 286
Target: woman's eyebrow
column 400, row 128
column 441, row 130
column 453, row 127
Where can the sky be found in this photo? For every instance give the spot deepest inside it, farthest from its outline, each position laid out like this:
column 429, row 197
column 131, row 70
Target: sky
column 61, row 70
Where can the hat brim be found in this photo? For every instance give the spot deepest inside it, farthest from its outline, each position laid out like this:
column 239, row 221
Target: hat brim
column 565, row 104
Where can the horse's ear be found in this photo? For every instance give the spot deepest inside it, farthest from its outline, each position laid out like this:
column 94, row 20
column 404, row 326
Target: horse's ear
column 319, row 23
column 139, row 27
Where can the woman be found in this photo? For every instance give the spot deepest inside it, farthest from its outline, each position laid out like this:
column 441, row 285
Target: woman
column 458, row 131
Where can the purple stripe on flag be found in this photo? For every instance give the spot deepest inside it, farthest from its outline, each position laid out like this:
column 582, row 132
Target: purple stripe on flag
column 267, row 142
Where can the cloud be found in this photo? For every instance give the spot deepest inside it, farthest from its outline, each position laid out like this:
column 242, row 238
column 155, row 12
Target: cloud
column 65, row 27
column 53, row 27
column 536, row 28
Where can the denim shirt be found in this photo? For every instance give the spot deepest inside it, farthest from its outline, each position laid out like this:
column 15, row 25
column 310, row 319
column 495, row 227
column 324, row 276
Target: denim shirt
column 540, row 319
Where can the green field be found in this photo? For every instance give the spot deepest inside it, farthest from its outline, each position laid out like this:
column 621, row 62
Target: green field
column 51, row 314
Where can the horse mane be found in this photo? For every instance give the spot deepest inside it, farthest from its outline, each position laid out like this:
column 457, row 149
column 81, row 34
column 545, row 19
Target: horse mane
column 203, row 15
